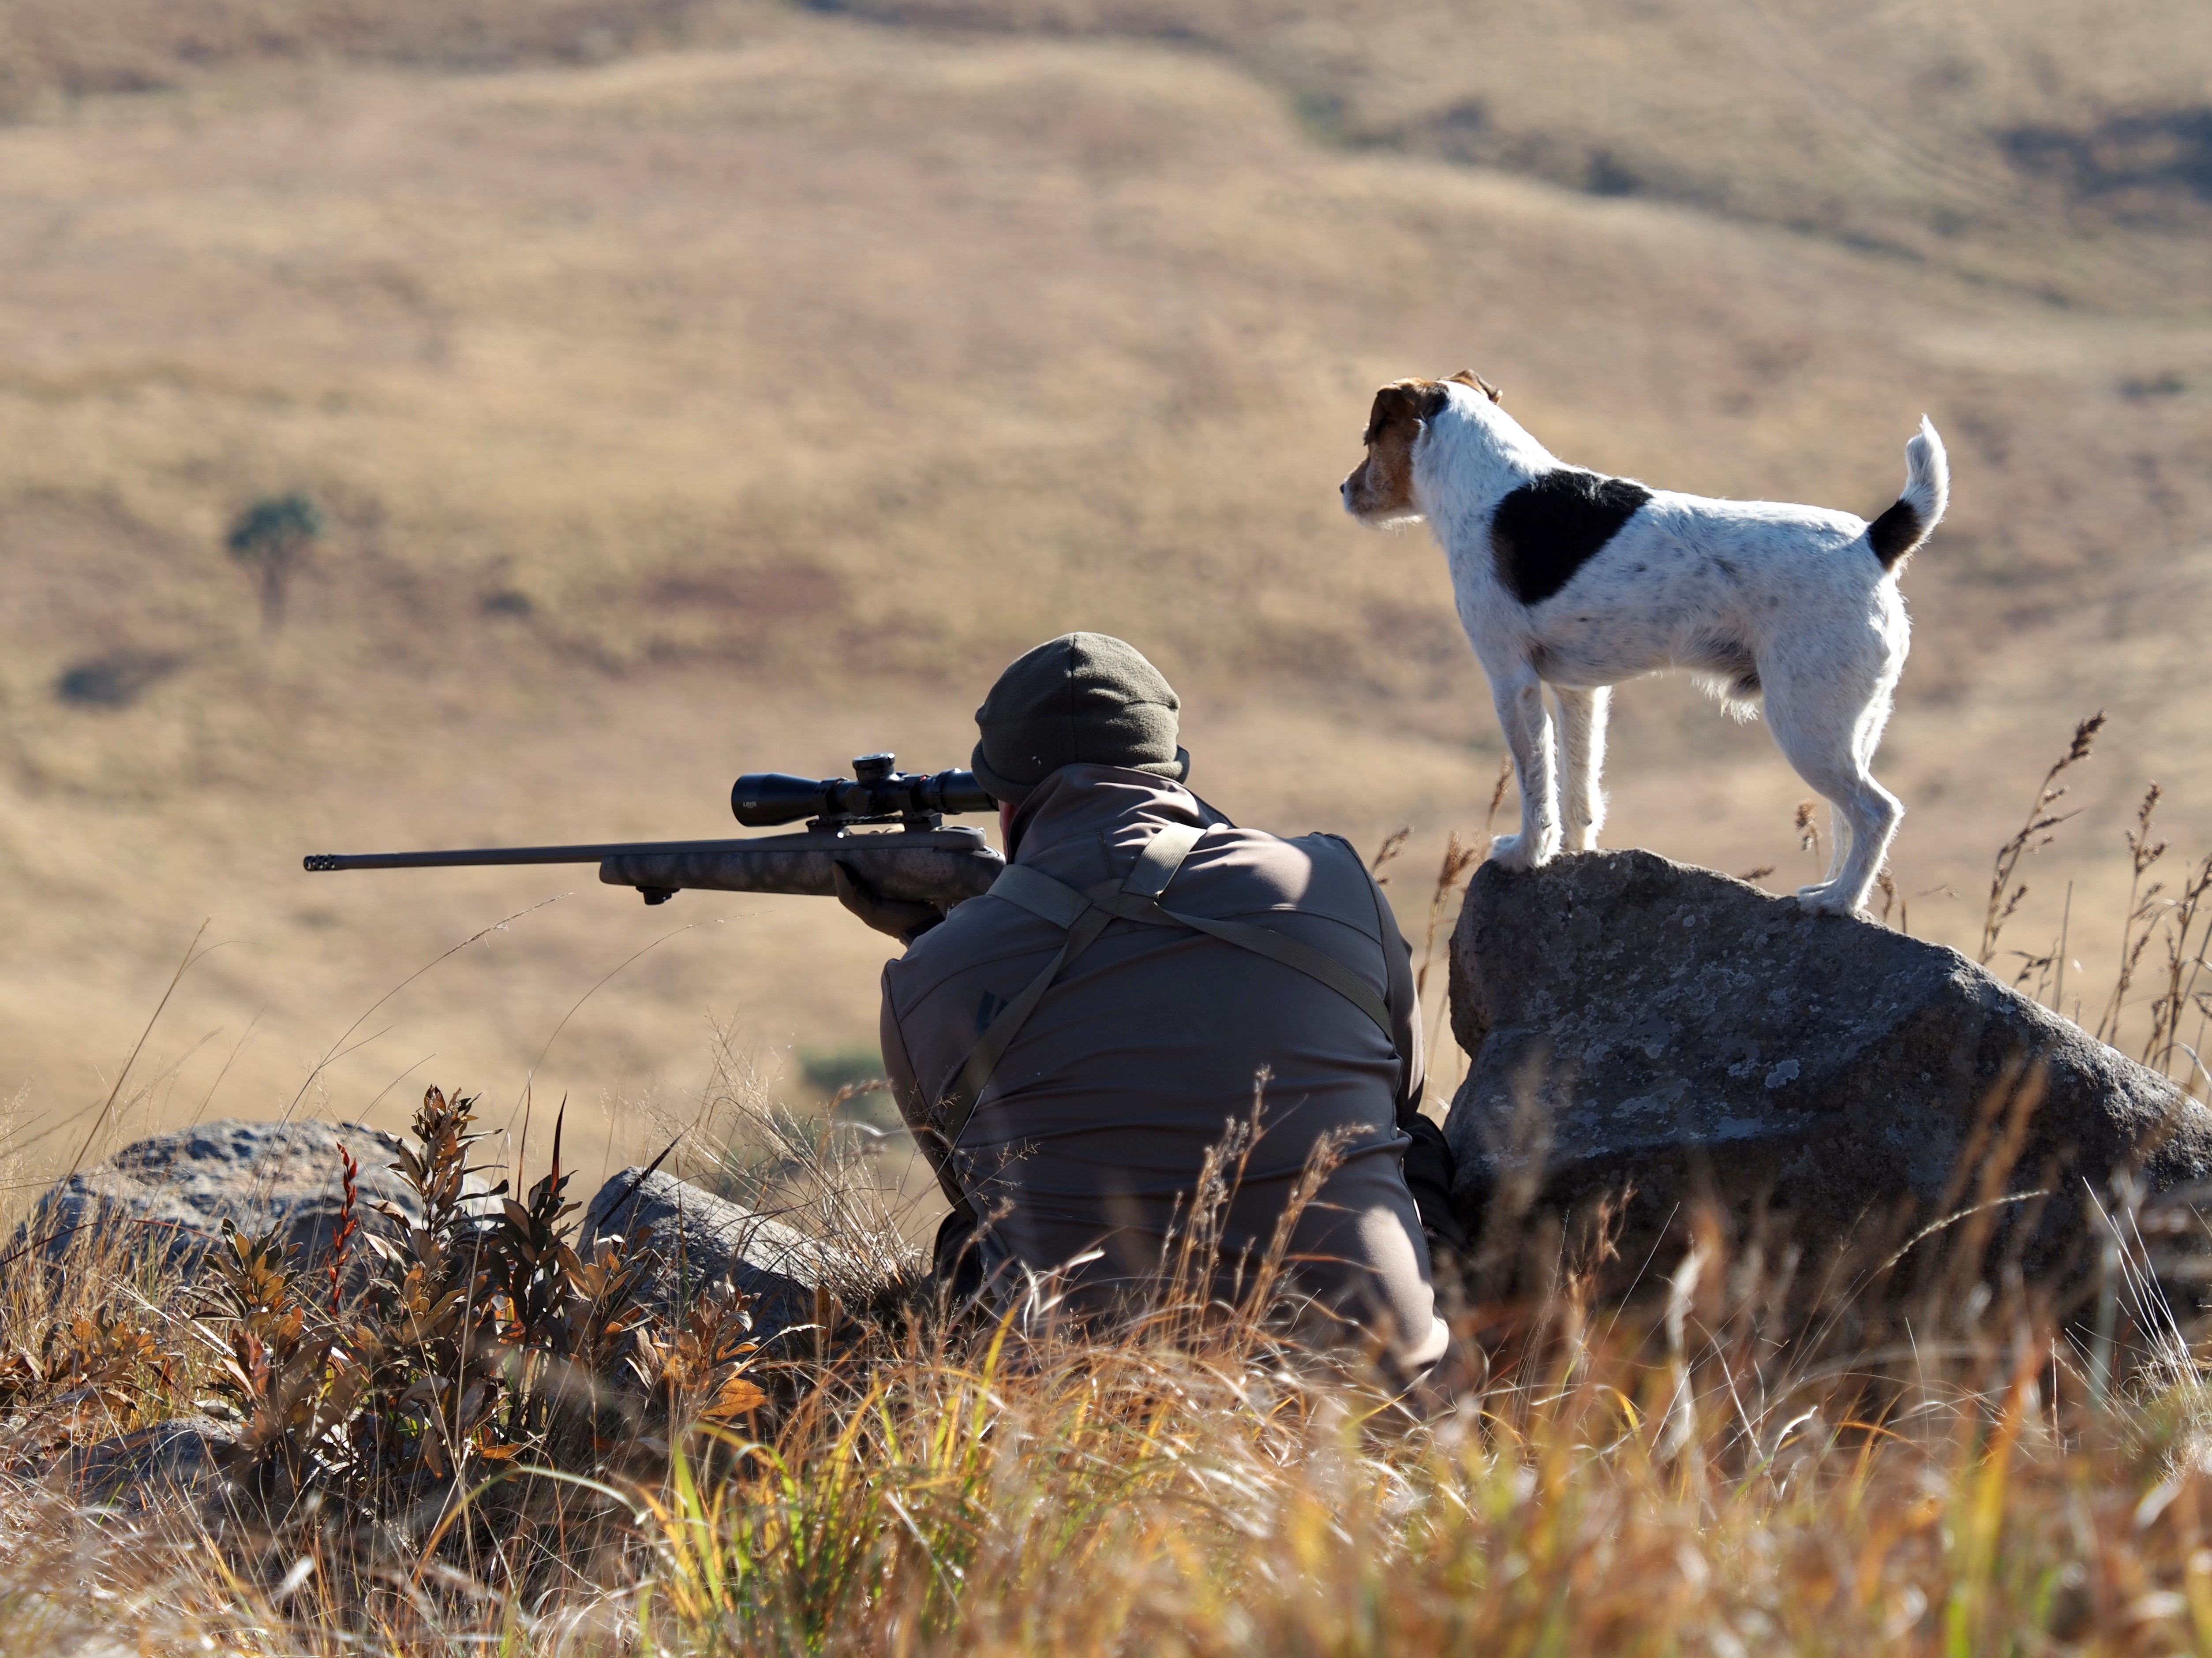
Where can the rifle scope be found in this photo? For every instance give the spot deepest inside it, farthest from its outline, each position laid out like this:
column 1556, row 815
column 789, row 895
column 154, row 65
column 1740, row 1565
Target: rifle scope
column 877, row 793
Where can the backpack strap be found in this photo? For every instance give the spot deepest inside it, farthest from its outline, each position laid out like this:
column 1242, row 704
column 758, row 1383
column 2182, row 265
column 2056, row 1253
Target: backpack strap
column 1085, row 915
column 1161, row 857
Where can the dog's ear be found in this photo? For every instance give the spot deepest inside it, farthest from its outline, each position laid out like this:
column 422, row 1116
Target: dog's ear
column 1408, row 403
column 1392, row 403
column 1469, row 377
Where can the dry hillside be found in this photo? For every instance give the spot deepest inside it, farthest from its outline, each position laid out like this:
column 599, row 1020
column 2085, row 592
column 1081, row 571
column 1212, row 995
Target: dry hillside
column 693, row 389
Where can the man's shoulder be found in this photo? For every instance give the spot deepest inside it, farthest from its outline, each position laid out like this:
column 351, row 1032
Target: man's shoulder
column 1324, row 843
column 1312, row 854
column 1252, row 872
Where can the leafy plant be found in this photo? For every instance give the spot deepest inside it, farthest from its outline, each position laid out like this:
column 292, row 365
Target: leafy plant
column 484, row 1347
column 426, row 1406
column 698, row 1372
column 91, row 1369
column 281, row 1368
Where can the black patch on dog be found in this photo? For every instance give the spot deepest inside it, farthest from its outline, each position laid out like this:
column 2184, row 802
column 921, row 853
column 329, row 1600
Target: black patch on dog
column 1895, row 533
column 1545, row 530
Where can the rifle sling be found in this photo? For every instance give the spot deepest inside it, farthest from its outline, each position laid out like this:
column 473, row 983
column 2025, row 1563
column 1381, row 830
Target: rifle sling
column 1085, row 915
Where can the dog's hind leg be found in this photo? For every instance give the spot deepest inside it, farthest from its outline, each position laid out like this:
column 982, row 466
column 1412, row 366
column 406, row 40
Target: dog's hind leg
column 1519, row 696
column 1839, row 844
column 1825, row 733
column 1582, row 763
column 1864, row 741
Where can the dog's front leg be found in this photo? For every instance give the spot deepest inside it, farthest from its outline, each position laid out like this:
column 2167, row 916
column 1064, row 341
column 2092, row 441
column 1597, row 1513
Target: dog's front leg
column 1582, row 762
column 1519, row 696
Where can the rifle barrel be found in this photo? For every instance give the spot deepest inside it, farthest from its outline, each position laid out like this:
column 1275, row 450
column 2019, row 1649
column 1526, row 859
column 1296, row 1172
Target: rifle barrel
column 317, row 862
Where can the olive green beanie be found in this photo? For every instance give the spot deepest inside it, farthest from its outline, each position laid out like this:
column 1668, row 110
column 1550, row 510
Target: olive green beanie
column 1082, row 699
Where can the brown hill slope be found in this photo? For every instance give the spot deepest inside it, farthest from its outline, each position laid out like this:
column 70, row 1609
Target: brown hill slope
column 707, row 409
column 2063, row 149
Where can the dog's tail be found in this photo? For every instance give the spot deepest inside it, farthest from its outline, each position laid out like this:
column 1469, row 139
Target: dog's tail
column 1920, row 508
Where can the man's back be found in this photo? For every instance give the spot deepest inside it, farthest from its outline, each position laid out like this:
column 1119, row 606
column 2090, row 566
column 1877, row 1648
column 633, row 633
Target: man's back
column 1094, row 1125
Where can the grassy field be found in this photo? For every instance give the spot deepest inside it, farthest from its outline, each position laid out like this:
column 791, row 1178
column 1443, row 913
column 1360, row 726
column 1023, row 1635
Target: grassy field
column 1884, row 1453
column 698, row 389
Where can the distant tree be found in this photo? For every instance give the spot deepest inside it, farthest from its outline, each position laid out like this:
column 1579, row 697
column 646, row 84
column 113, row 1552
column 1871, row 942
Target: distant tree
column 270, row 537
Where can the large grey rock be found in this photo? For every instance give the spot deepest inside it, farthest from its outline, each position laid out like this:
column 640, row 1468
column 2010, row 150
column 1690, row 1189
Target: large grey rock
column 1632, row 1020
column 698, row 1238
column 173, row 1191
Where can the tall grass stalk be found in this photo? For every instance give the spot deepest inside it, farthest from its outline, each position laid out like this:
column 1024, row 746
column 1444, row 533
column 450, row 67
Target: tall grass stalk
column 2036, row 832
column 2139, row 921
column 2186, row 945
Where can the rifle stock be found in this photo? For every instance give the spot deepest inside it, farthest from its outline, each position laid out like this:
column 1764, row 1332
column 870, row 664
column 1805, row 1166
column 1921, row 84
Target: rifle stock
column 943, row 866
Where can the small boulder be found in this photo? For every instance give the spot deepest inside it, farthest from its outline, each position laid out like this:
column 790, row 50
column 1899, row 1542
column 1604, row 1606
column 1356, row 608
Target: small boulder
column 173, row 1191
column 1633, row 1022
column 698, row 1238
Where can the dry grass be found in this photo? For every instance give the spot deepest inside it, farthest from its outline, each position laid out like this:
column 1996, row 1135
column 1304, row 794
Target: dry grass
column 1765, row 1455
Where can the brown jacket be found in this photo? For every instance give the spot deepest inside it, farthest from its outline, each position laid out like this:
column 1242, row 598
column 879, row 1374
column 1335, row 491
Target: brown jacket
column 1091, row 1131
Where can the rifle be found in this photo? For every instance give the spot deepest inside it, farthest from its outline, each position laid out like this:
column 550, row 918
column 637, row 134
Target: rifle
column 921, row 861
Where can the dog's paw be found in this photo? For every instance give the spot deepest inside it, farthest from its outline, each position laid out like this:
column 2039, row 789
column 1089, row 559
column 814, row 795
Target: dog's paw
column 1827, row 899
column 1522, row 850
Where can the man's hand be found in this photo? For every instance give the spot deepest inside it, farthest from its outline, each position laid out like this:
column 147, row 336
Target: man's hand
column 904, row 919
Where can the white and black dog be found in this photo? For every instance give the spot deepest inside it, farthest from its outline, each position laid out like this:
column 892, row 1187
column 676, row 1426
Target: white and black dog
column 1577, row 580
